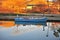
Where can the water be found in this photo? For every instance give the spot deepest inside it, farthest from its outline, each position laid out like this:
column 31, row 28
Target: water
column 31, row 32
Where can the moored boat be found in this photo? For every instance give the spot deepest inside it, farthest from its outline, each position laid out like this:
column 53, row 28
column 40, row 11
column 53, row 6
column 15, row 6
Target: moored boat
column 33, row 21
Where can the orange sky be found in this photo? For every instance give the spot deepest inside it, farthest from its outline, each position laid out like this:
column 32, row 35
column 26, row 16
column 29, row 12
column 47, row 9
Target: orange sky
column 17, row 6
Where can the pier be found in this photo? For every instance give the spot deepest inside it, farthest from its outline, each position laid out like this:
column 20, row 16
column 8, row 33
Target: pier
column 10, row 17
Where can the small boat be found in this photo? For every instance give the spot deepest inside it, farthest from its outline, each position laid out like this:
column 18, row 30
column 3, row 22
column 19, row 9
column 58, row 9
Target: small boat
column 33, row 21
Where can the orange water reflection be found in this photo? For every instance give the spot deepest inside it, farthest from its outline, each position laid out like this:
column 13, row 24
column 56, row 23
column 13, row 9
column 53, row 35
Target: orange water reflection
column 55, row 24
column 7, row 23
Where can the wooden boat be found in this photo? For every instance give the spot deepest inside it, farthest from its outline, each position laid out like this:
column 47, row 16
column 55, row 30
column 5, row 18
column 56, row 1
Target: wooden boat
column 33, row 21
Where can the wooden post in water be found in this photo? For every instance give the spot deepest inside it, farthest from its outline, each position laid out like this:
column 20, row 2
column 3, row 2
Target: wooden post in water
column 48, row 25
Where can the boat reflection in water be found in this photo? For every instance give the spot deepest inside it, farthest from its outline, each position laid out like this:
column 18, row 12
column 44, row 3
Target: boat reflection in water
column 9, row 31
column 31, row 21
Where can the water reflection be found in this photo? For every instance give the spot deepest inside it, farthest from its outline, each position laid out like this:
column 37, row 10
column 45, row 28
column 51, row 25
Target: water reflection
column 33, row 32
column 25, row 28
column 56, row 28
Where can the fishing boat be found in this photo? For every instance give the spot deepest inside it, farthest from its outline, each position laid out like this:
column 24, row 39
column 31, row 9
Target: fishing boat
column 33, row 21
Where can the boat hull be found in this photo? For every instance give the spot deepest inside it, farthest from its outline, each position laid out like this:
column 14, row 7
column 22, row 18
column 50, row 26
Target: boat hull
column 30, row 21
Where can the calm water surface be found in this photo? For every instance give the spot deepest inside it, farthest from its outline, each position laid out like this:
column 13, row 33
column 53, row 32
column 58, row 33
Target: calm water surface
column 9, row 31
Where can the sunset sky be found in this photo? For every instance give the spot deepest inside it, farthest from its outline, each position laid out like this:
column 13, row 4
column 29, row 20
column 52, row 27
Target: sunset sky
column 20, row 6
